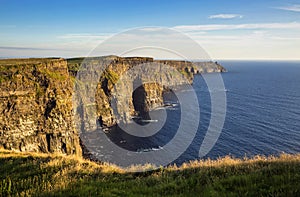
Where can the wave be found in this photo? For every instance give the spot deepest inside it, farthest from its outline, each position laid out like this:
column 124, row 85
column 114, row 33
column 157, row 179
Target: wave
column 148, row 121
column 149, row 149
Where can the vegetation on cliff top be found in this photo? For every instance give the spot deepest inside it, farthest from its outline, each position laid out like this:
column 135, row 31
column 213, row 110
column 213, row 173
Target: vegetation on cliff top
column 23, row 174
column 10, row 68
column 20, row 61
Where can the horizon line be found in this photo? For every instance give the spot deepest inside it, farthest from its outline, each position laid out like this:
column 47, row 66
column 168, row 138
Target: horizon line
column 212, row 59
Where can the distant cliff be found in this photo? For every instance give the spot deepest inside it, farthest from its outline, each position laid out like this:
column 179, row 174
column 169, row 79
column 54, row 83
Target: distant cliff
column 36, row 98
column 144, row 98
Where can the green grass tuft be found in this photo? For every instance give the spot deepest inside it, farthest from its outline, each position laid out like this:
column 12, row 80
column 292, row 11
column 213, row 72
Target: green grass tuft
column 111, row 76
column 23, row 174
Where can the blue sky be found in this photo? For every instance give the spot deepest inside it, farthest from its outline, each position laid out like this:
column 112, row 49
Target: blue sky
column 238, row 29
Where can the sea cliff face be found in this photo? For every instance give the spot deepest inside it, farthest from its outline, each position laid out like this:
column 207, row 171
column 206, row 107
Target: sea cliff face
column 36, row 97
column 36, row 106
column 133, row 101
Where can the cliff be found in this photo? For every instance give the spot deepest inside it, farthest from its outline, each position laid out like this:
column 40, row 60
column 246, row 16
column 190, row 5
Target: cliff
column 36, row 106
column 36, row 97
column 146, row 97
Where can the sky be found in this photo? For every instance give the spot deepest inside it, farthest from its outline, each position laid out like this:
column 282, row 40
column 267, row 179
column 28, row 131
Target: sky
column 231, row 29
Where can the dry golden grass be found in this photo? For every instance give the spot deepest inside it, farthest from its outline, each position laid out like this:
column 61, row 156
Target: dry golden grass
column 55, row 174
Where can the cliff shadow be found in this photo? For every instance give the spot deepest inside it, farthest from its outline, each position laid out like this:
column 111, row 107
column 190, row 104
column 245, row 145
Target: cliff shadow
column 139, row 96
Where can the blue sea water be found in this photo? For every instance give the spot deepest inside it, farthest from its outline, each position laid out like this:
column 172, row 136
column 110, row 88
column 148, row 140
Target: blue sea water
column 263, row 110
column 262, row 116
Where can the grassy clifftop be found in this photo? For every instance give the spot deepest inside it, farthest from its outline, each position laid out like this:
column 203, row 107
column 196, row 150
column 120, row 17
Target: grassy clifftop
column 36, row 174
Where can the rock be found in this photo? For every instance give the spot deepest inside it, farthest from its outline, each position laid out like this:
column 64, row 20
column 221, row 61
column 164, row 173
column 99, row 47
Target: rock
column 121, row 103
column 36, row 106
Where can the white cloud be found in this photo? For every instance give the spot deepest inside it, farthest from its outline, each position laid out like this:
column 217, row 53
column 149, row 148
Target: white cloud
column 247, row 41
column 225, row 16
column 258, row 41
column 187, row 28
column 294, row 8
column 84, row 36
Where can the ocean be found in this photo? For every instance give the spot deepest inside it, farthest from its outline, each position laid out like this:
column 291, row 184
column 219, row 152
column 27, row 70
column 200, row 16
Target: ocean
column 262, row 115
column 263, row 110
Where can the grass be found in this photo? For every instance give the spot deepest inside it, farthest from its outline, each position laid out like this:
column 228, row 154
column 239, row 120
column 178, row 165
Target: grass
column 111, row 76
column 53, row 74
column 37, row 174
column 74, row 65
column 9, row 68
column 20, row 61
